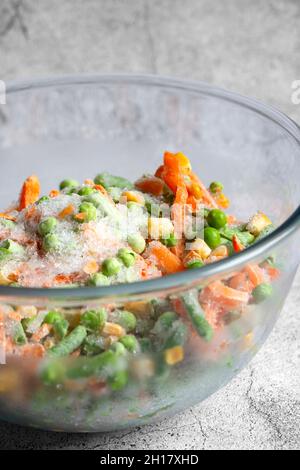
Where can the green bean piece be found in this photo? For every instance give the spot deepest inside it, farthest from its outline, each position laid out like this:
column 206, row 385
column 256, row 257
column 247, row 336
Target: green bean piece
column 94, row 320
column 52, row 317
column 164, row 322
column 47, row 225
column 70, row 343
column 104, row 364
column 196, row 315
column 146, row 345
column 109, row 209
column 245, row 237
column 107, row 180
column 94, row 198
column 98, row 279
column 127, row 257
column 262, row 292
column 228, row 244
column 19, row 336
column 68, row 184
column 61, row 328
column 130, row 342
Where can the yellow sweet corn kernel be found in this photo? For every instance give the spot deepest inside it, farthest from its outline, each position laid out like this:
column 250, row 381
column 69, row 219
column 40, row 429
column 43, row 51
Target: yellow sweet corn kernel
column 134, row 196
column 258, row 223
column 196, row 191
column 174, row 355
column 113, row 329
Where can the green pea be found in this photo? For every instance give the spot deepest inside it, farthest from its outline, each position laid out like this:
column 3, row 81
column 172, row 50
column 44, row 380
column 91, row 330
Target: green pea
column 262, row 292
column 47, row 226
column 94, row 320
column 119, row 380
column 137, row 243
column 107, row 180
column 127, row 320
column 216, row 218
column 127, row 257
column 43, row 199
column 98, row 279
column 170, row 241
column 89, row 210
column 118, row 348
column 197, row 263
column 111, row 266
column 68, row 184
column 212, row 237
column 51, row 242
column 216, row 187
column 86, row 191
column 130, row 342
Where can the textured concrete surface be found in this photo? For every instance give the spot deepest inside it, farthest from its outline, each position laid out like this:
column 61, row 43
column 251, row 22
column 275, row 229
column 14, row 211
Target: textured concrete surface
column 251, row 47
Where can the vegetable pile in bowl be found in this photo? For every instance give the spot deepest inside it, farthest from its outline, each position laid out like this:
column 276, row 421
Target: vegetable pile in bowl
column 125, row 354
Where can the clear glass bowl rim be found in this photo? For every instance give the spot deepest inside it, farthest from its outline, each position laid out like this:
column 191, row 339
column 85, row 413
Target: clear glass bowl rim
column 186, row 278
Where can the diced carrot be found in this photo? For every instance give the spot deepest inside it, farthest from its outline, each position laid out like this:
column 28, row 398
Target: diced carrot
column 193, row 202
column 224, row 296
column 171, row 179
column 178, row 209
column 41, row 333
column 166, row 261
column 7, row 217
column 255, row 273
column 54, row 193
column 212, row 313
column 178, row 250
column 150, row 184
column 178, row 306
column 231, row 219
column 80, row 216
column 207, row 197
column 159, row 172
column 30, row 192
column 241, row 282
column 89, row 182
column 222, row 200
column 91, row 267
column 66, row 211
column 271, row 271
column 237, row 245
column 101, row 189
column 177, row 162
column 33, row 350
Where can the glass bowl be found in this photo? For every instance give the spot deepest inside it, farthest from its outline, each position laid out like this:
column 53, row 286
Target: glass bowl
column 78, row 126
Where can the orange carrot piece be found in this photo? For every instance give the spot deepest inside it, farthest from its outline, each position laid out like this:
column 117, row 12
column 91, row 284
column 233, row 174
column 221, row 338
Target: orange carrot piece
column 54, row 193
column 207, row 197
column 271, row 271
column 66, row 211
column 255, row 274
column 177, row 162
column 166, row 261
column 160, row 171
column 151, row 185
column 7, row 217
column 41, row 333
column 224, row 296
column 91, row 267
column 178, row 250
column 241, row 282
column 80, row 216
column 101, row 189
column 30, row 192
column 89, row 182
column 237, row 245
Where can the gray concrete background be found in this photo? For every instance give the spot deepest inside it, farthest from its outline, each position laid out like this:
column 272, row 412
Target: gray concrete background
column 248, row 46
